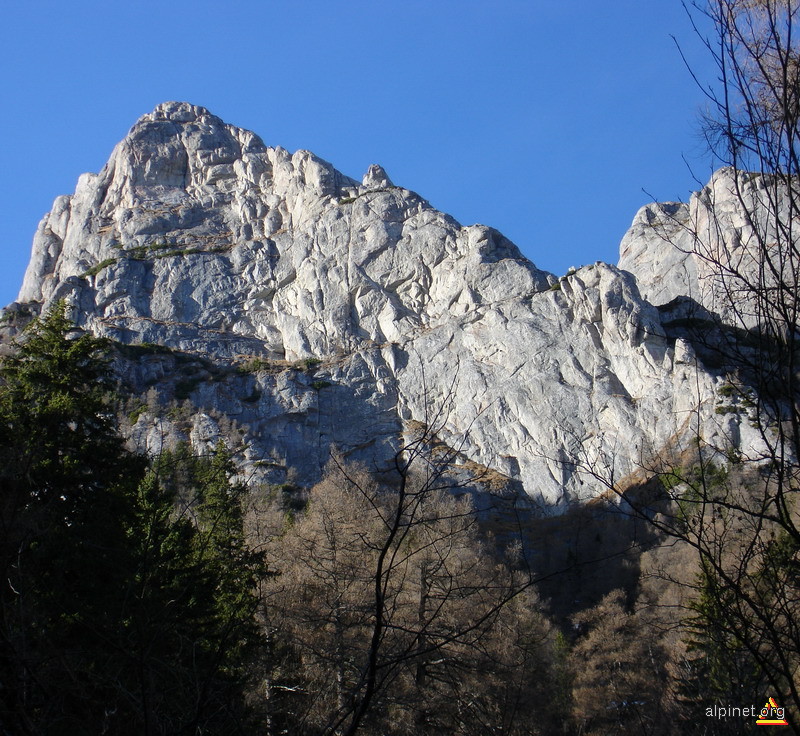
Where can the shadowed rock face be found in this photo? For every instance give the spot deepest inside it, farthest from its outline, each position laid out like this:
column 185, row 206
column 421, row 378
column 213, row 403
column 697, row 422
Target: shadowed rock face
column 198, row 237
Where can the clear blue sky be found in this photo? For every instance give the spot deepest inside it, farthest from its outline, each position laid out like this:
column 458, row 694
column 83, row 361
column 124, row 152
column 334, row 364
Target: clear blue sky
column 543, row 118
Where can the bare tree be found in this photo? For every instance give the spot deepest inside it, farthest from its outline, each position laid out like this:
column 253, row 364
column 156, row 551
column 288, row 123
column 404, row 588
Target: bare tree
column 619, row 666
column 737, row 507
column 396, row 611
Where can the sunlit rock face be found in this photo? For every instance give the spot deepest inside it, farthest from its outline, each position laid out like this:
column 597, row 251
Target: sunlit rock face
column 357, row 311
column 713, row 247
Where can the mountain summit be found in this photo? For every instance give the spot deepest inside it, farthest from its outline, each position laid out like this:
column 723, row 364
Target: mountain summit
column 268, row 291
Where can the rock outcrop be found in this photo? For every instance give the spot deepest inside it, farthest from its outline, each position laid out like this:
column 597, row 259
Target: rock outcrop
column 709, row 249
column 314, row 311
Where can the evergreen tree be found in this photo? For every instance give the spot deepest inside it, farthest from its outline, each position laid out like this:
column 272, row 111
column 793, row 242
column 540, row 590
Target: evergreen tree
column 191, row 624
column 164, row 617
column 223, row 549
column 233, row 641
column 127, row 599
column 719, row 668
column 65, row 479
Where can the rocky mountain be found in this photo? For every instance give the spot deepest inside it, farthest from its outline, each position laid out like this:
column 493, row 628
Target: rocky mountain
column 713, row 249
column 266, row 290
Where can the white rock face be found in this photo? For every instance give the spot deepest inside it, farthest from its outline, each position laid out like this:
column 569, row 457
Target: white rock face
column 198, row 237
column 657, row 249
column 709, row 248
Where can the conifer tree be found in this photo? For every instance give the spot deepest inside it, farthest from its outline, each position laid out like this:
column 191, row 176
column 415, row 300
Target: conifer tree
column 193, row 624
column 124, row 608
column 65, row 478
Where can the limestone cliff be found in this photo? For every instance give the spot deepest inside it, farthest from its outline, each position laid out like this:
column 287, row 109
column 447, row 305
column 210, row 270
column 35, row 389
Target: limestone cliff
column 709, row 248
column 316, row 312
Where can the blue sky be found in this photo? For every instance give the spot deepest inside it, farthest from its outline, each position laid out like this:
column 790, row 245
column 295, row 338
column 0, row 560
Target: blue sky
column 547, row 119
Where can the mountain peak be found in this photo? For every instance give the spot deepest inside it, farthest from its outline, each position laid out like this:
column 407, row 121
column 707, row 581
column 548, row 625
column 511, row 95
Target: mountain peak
column 369, row 308
column 376, row 177
column 178, row 112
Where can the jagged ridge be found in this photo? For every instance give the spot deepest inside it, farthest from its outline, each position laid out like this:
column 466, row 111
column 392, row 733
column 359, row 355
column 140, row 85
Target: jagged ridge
column 198, row 237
